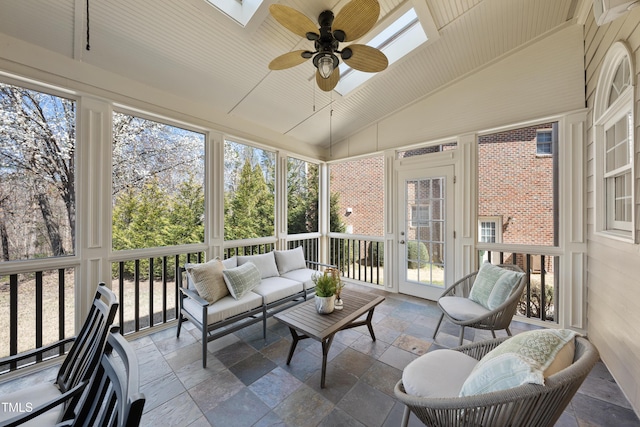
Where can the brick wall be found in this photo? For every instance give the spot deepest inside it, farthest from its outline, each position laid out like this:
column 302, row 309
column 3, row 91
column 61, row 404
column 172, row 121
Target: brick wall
column 517, row 184
column 360, row 184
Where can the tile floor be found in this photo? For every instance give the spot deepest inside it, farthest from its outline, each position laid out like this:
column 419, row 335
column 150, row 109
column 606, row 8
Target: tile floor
column 247, row 381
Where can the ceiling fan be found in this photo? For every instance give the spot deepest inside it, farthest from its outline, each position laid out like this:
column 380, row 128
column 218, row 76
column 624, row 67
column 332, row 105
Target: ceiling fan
column 353, row 21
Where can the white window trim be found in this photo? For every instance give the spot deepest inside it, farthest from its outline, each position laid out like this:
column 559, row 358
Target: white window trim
column 495, row 219
column 603, row 116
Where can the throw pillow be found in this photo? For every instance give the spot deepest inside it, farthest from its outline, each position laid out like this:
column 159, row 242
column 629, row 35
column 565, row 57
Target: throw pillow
column 292, row 259
column 503, row 288
column 519, row 360
column 208, row 280
column 266, row 263
column 241, row 279
column 485, row 280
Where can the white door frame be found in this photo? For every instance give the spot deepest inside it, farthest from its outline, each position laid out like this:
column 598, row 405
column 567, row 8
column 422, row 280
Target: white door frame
column 405, row 285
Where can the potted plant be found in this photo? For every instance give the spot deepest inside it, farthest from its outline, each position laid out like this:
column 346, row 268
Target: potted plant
column 326, row 285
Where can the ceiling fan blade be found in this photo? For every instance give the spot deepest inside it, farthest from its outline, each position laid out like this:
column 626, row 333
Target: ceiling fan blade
column 327, row 85
column 288, row 60
column 356, row 18
column 366, row 58
column 292, row 20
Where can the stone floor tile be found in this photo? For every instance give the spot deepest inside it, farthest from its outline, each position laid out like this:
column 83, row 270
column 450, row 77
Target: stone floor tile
column 304, row 408
column 181, row 410
column 243, row 410
column 161, row 390
column 275, row 386
column 338, row 417
column 234, row 353
column 383, row 377
column 596, row 412
column 397, row 357
column 367, row 404
column 252, row 368
column 220, row 387
column 338, row 382
column 412, row 344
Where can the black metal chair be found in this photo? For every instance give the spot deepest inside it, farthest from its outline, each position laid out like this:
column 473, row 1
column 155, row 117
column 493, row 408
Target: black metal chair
column 48, row 401
column 113, row 397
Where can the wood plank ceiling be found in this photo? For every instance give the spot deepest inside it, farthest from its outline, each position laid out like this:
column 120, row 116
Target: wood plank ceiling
column 191, row 49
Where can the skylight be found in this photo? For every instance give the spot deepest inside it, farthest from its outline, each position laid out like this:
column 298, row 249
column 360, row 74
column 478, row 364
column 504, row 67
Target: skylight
column 398, row 39
column 240, row 11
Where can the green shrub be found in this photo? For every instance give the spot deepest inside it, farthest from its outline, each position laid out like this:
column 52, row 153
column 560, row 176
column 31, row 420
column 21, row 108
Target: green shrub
column 417, row 256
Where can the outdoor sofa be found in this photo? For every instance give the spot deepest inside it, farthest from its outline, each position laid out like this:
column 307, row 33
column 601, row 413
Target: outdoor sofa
column 224, row 296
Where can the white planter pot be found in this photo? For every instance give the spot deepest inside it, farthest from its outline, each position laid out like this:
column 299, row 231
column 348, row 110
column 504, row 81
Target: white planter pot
column 325, row 305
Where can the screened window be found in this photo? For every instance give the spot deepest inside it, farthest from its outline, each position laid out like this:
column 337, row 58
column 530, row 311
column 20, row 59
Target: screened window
column 515, row 183
column 37, row 174
column 357, row 196
column 302, row 196
column 249, row 191
column 158, row 184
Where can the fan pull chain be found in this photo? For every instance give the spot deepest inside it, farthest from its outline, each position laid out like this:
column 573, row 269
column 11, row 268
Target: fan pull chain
column 88, row 47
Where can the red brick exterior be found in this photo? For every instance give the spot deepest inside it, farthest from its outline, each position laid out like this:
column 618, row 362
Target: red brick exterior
column 517, row 184
column 360, row 184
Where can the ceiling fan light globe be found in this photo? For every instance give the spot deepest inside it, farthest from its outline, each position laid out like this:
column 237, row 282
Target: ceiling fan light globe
column 325, row 66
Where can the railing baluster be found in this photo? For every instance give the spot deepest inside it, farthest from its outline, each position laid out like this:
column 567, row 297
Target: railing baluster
column 151, row 292
column 61, row 314
column 13, row 317
column 121, row 294
column 543, row 289
column 39, row 308
column 164, row 289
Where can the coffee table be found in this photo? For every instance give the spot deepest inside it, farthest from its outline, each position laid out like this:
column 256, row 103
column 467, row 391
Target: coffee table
column 304, row 321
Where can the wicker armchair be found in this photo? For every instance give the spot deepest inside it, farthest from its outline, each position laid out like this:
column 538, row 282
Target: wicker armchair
column 526, row 405
column 496, row 319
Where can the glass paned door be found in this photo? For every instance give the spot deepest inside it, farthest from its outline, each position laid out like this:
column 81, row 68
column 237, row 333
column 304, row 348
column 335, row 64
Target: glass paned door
column 426, row 231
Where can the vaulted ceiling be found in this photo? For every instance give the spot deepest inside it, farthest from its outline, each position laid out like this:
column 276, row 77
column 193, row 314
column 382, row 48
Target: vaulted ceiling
column 191, row 49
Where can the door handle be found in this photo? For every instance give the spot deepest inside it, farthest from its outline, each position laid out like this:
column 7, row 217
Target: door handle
column 402, row 242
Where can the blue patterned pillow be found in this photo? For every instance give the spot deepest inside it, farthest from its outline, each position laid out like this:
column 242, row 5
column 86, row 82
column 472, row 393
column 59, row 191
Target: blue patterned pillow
column 517, row 361
column 242, row 279
column 485, row 280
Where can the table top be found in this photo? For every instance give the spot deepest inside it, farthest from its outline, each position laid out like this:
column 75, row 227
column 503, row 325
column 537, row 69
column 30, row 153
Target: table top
column 304, row 317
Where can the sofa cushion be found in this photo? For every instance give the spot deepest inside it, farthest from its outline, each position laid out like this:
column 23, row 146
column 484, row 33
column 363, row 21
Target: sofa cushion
column 273, row 289
column 223, row 309
column 266, row 263
column 519, row 360
column 230, row 262
column 208, row 279
column 462, row 308
column 292, row 259
column 439, row 373
column 302, row 275
column 241, row 279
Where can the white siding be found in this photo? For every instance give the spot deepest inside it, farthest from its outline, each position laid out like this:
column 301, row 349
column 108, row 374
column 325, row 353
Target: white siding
column 613, row 266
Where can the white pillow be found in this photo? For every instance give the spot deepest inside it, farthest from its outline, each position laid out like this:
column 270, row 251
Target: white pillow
column 241, row 279
column 519, row 360
column 208, row 279
column 266, row 263
column 292, row 259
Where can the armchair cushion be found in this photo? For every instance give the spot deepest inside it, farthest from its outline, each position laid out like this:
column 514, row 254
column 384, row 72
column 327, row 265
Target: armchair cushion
column 292, row 259
column 517, row 361
column 439, row 373
column 266, row 263
column 241, row 279
column 208, row 279
column 462, row 308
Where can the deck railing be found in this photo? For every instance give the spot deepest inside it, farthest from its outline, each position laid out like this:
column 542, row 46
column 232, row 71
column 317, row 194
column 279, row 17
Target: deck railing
column 358, row 257
column 146, row 289
column 37, row 305
column 36, row 309
column 540, row 297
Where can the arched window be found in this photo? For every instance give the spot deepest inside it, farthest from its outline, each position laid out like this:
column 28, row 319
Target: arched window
column 614, row 145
